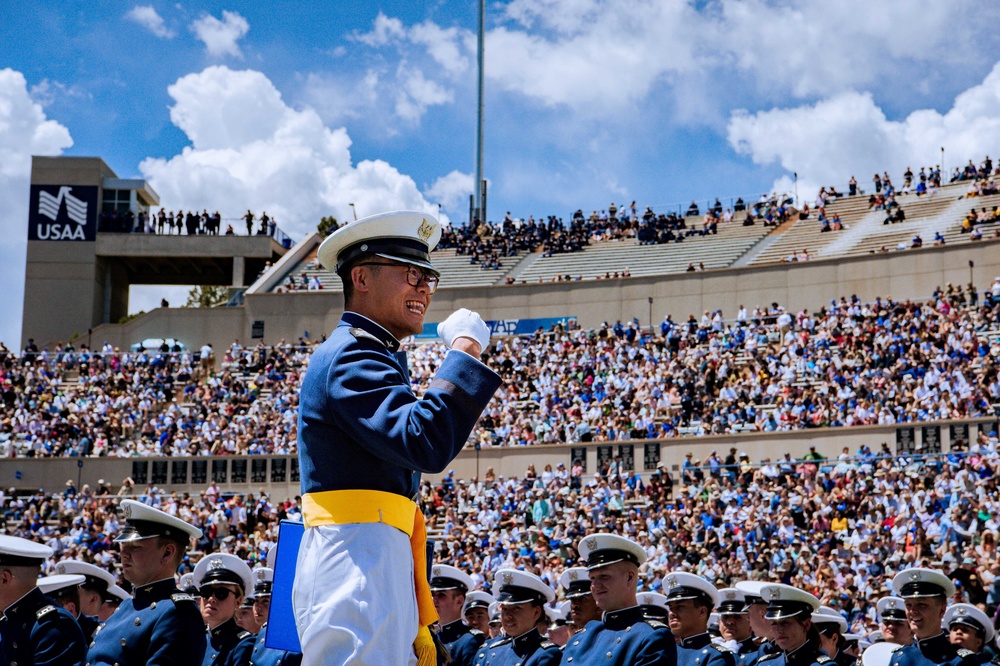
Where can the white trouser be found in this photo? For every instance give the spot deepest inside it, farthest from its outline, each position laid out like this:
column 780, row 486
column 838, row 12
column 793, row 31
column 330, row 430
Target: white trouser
column 353, row 596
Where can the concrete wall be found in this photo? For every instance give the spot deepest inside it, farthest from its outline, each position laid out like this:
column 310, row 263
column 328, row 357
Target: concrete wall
column 51, row 474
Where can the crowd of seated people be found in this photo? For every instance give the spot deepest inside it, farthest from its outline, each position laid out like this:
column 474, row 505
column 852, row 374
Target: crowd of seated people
column 847, row 364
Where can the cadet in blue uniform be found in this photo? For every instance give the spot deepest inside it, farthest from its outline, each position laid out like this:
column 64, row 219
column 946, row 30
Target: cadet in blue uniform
column 64, row 589
column 159, row 624
column 576, row 585
column 93, row 589
column 926, row 593
column 263, row 655
column 654, row 606
column 734, row 626
column 624, row 636
column 449, row 586
column 892, row 621
column 222, row 580
column 521, row 597
column 970, row 628
column 759, row 624
column 690, row 600
column 476, row 611
column 360, row 594
column 790, row 610
column 832, row 628
column 34, row 630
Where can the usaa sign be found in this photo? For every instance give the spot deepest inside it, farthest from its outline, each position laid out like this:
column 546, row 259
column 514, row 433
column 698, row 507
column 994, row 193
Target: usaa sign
column 62, row 213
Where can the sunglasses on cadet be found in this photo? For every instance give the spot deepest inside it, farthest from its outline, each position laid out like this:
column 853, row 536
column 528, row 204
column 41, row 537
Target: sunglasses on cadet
column 414, row 276
column 220, row 593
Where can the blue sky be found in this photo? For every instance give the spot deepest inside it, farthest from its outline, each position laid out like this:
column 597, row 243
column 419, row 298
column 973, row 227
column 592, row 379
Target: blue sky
column 301, row 108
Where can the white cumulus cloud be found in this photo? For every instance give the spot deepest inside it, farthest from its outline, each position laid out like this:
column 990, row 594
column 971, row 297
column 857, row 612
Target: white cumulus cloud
column 149, row 18
column 416, row 93
column 221, row 37
column 24, row 131
column 251, row 150
column 451, row 191
column 827, row 142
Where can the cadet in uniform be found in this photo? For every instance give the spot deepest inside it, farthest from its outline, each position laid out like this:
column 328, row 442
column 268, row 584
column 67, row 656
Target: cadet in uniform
column 832, row 627
column 476, row 611
column 969, row 627
column 734, row 626
column 690, row 600
column 360, row 594
column 892, row 621
column 34, row 630
column 263, row 655
column 654, row 606
column 94, row 588
column 222, row 580
column 521, row 598
column 789, row 611
column 926, row 593
column 623, row 637
column 449, row 587
column 583, row 608
column 496, row 628
column 760, row 626
column 560, row 628
column 112, row 600
column 159, row 624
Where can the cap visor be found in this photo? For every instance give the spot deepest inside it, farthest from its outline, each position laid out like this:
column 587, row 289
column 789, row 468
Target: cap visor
column 413, row 262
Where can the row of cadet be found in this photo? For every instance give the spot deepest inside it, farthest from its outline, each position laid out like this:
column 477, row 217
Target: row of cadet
column 605, row 620
column 78, row 616
column 70, row 618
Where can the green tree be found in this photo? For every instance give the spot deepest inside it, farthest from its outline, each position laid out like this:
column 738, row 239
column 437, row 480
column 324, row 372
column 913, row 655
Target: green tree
column 206, row 296
column 327, row 226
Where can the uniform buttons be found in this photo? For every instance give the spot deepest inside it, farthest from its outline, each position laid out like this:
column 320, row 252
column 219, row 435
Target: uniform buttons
column 152, row 605
column 138, row 622
column 608, row 655
column 93, row 643
column 15, row 645
column 697, row 660
column 123, row 642
column 628, row 628
column 568, row 659
column 576, row 642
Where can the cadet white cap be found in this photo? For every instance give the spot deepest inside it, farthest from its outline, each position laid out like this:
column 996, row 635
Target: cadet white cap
column 223, row 569
column 117, row 592
column 970, row 616
column 919, row 583
column 56, row 582
column 787, row 601
column 600, row 550
column 827, row 615
column 97, row 579
column 891, row 608
column 654, row 605
column 751, row 590
column 576, row 582
column 145, row 522
column 477, row 599
column 263, row 579
column 447, row 577
column 187, row 583
column 514, row 586
column 879, row 654
column 18, row 552
column 405, row 236
column 732, row 602
column 681, row 585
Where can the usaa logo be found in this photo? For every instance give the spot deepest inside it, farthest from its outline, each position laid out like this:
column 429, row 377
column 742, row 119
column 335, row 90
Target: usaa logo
column 63, row 213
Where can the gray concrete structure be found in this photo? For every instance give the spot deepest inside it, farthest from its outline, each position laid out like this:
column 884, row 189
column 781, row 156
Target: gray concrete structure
column 78, row 276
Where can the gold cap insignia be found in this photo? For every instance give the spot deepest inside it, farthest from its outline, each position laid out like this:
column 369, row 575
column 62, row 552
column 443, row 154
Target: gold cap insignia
column 127, row 512
column 425, row 230
column 592, row 543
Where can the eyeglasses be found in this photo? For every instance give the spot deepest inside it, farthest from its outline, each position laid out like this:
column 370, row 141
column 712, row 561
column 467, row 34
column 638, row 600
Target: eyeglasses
column 220, row 593
column 414, row 276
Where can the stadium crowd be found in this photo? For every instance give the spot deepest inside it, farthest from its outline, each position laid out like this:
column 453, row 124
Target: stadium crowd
column 847, row 364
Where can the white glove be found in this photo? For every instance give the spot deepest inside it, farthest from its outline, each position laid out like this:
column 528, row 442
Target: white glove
column 464, row 323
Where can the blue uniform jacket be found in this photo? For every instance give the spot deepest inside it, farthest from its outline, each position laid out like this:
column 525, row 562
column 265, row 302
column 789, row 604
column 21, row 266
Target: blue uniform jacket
column 36, row 631
column 748, row 652
column 361, row 427
column 227, row 645
column 265, row 656
column 622, row 638
column 89, row 625
column 808, row 654
column 528, row 649
column 699, row 651
column 462, row 642
column 158, row 626
column 935, row 650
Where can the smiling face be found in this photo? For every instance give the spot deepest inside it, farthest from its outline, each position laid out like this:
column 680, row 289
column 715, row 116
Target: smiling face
column 924, row 615
column 517, row 619
column 383, row 294
column 613, row 586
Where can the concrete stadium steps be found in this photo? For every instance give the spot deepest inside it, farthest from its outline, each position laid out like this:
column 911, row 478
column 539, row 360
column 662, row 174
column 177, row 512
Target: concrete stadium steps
column 607, row 257
column 864, row 231
column 456, row 271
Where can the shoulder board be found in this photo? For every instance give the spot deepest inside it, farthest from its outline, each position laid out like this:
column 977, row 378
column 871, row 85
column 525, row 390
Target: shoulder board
column 500, row 641
column 823, row 659
column 43, row 611
column 362, row 334
column 722, row 648
column 476, row 632
column 547, row 645
column 965, row 654
column 656, row 624
column 243, row 634
column 773, row 655
column 181, row 597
